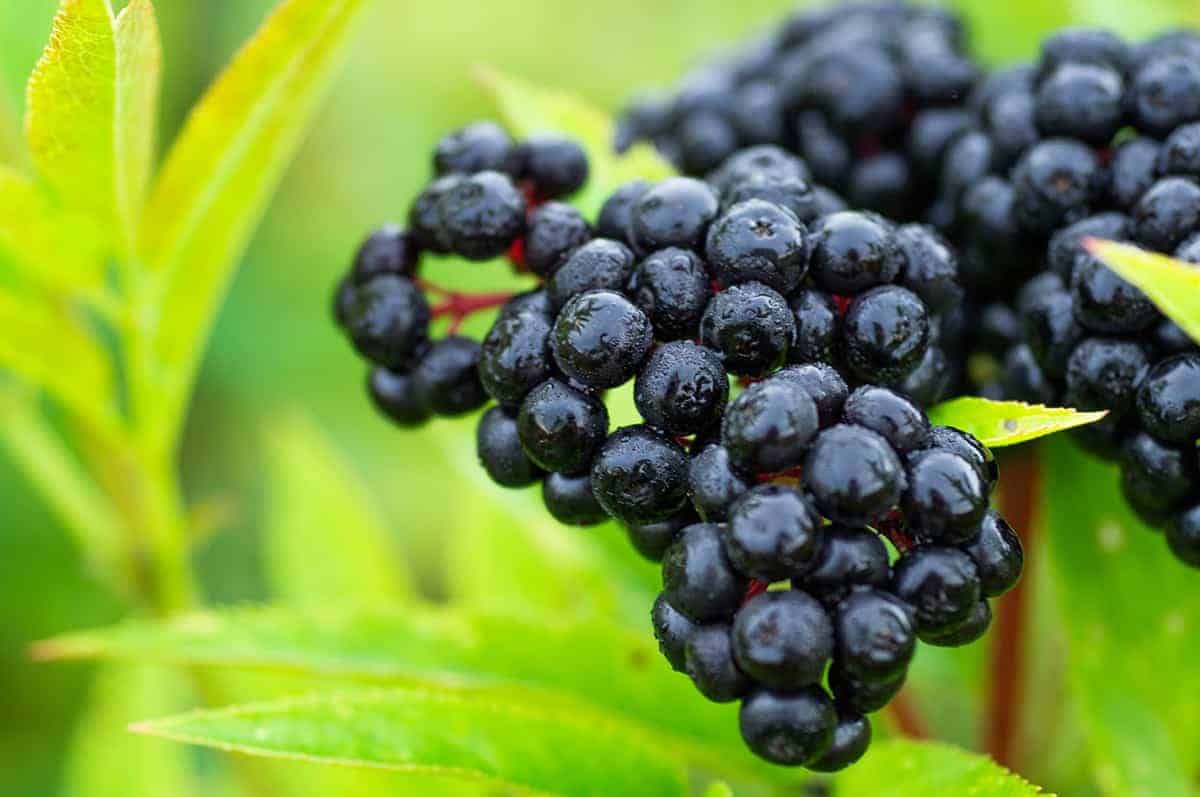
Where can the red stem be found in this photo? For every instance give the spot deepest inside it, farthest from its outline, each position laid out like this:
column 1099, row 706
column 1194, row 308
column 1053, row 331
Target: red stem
column 1018, row 502
column 908, row 719
column 458, row 306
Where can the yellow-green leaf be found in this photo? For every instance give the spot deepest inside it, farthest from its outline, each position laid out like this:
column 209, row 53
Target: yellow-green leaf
column 1173, row 286
column 922, row 769
column 138, row 78
column 223, row 168
column 529, row 110
column 70, row 108
column 510, row 737
column 325, row 540
column 1007, row 423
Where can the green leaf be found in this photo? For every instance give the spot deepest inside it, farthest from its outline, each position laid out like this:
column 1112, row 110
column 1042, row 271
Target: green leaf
column 224, row 167
column 510, row 737
column 325, row 541
column 614, row 669
column 1130, row 612
column 138, row 79
column 70, row 108
column 921, row 769
column 718, row 789
column 1173, row 286
column 529, row 110
column 105, row 760
column 1007, row 423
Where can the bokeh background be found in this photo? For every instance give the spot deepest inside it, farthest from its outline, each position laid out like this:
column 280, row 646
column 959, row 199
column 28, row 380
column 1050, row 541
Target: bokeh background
column 407, row 82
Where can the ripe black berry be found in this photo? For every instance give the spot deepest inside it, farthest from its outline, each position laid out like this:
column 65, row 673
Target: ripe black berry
column 1183, row 535
column 1052, row 331
column 930, row 269
column 1082, row 46
column 388, row 320
column 754, row 162
column 851, row 738
column 515, row 356
column 793, row 193
column 447, row 378
column 847, row 558
column 499, row 448
column 1083, row 101
column 862, row 696
column 1056, row 182
column 1165, row 93
column 793, row 729
column 1066, row 245
column 942, row 584
column 706, row 139
column 640, row 476
column 556, row 166
column 600, row 339
column 891, row 415
column 783, row 640
column 818, row 327
column 751, row 325
column 1156, row 477
column 617, row 211
column 756, row 241
column 823, row 384
column 652, row 540
column 964, row 633
column 773, row 533
column 555, row 230
column 1106, row 303
column 388, row 250
column 946, row 497
column 598, row 265
column 698, row 578
column 875, row 636
column 672, row 630
column 1180, row 154
column 570, row 500
column 713, row 483
column 969, row 448
column 1167, row 214
column 1104, row 374
column 672, row 288
column 997, row 553
column 1011, row 119
column 424, row 217
column 481, row 215
column 1168, row 401
column 561, row 427
column 709, row 660
column 854, row 475
column 395, row 395
column 478, row 147
column 853, row 252
column 682, row 389
column 885, row 334
column 674, row 212
column 1133, row 170
column 768, row 427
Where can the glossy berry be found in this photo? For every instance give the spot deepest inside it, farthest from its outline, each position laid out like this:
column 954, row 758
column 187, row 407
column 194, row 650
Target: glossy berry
column 478, row 147
column 1106, row 303
column 773, row 533
column 783, row 640
column 1105, row 373
column 682, row 389
column 395, row 395
column 673, row 212
column 570, row 501
column 1133, row 169
column 793, row 193
column 848, row 558
column 561, row 427
column 946, row 497
column 862, row 696
column 651, row 540
column 1052, row 331
column 969, row 448
column 966, row 632
column 853, row 474
column 388, row 250
column 1180, row 154
column 1167, row 214
column 672, row 288
column 388, row 320
column 930, row 382
column 891, row 415
column 597, row 265
column 789, row 729
column 705, row 139
column 447, row 378
column 1156, row 476
column 640, row 476
column 557, row 167
column 1168, row 402
column 672, row 630
column 481, row 215
column 875, row 636
column 1164, row 94
column 997, row 553
column 1183, row 536
column 617, row 211
column 752, row 327
column 760, row 161
column 499, row 449
column 851, row 738
column 853, row 252
column 600, row 339
column 713, row 483
column 424, row 217
column 709, row 661
column 534, row 301
column 930, row 268
column 1081, row 45
column 698, row 578
column 822, row 383
column 1011, row 120
column 1066, row 245
column 942, row 584
column 883, row 183
column 768, row 427
column 885, row 334
column 515, row 356
column 756, row 241
column 555, row 229
column 1082, row 101
column 1056, row 182
column 818, row 327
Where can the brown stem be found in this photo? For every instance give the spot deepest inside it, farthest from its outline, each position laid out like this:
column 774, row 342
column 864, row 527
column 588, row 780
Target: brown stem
column 1018, row 502
column 907, row 717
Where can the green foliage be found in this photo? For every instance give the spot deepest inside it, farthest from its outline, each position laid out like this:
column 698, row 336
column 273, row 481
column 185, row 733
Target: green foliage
column 1007, row 423
column 1173, row 285
column 906, row 769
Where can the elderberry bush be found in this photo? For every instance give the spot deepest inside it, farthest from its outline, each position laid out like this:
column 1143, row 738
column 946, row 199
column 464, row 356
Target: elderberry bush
column 781, row 349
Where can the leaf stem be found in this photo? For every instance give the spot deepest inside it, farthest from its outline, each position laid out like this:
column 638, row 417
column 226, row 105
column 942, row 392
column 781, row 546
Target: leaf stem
column 908, row 718
column 1018, row 502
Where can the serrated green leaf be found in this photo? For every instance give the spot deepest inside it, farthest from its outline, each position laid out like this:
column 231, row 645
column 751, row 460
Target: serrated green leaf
column 509, row 736
column 529, row 110
column 1173, row 286
column 1007, row 423
column 617, row 670
column 1130, row 613
column 135, row 113
column 223, row 168
column 70, row 108
column 105, row 760
column 325, row 541
column 921, row 769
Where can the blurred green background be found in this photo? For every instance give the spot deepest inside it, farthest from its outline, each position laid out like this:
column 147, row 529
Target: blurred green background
column 407, row 82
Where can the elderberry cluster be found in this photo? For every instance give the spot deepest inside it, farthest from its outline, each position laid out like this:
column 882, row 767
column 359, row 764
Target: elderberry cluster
column 1099, row 138
column 868, row 93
